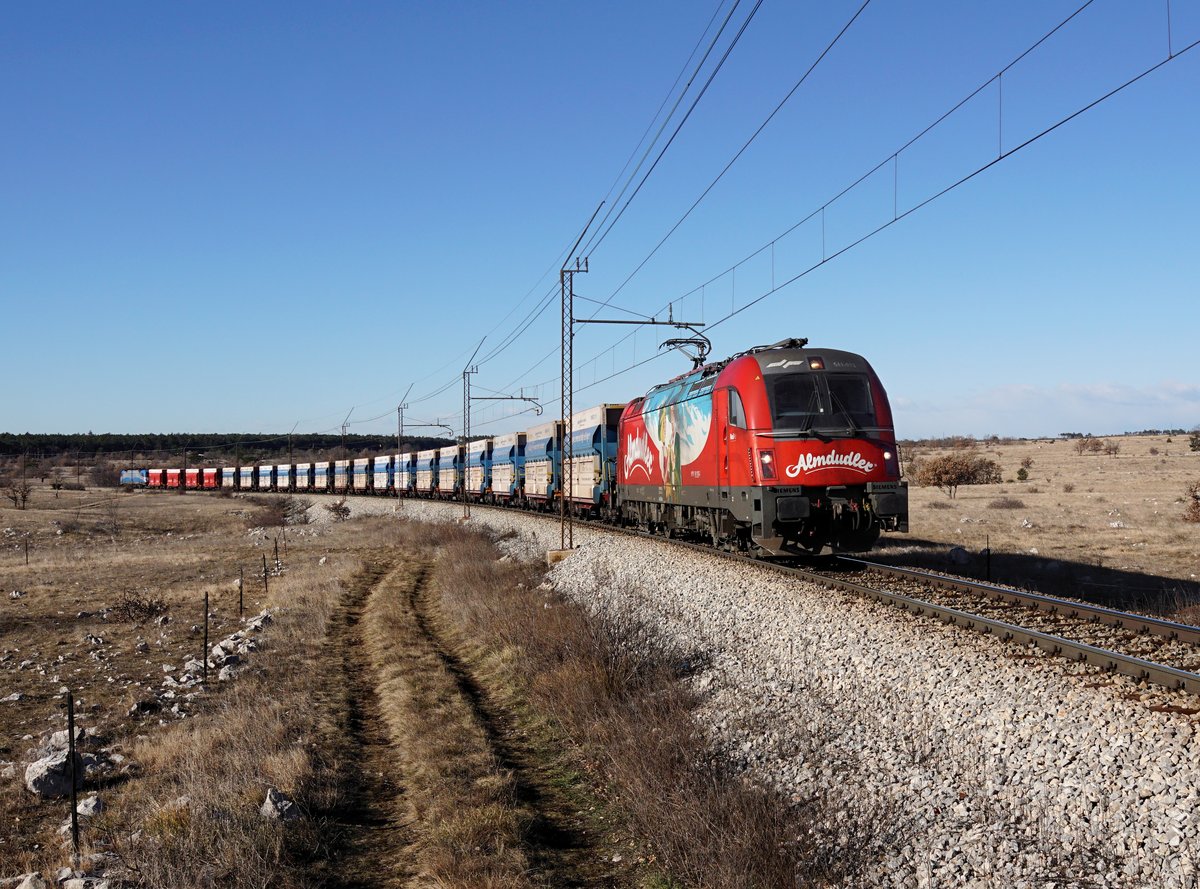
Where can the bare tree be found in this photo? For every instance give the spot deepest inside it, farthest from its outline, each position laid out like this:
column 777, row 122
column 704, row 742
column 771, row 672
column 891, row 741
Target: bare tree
column 18, row 492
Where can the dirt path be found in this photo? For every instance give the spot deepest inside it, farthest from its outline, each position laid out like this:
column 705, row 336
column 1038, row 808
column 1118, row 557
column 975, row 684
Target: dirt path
column 417, row 735
column 369, row 830
column 562, row 848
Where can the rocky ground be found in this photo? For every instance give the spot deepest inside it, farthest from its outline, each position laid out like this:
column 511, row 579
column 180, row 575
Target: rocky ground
column 950, row 759
column 995, row 765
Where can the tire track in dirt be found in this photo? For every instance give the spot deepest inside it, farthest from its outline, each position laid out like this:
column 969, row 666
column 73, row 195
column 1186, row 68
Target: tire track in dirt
column 560, row 848
column 371, row 836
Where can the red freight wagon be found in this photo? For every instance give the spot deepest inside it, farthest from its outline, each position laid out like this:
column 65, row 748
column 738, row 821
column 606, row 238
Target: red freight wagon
column 211, row 477
column 154, row 478
column 780, row 449
column 172, row 478
column 192, row 478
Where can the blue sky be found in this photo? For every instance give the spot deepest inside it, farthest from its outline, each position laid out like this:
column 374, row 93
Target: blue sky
column 240, row 217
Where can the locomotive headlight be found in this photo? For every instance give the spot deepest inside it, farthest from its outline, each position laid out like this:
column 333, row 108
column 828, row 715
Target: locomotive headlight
column 887, row 455
column 766, row 459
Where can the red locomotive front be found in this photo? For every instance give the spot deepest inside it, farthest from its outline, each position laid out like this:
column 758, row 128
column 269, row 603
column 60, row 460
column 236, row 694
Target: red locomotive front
column 782, row 449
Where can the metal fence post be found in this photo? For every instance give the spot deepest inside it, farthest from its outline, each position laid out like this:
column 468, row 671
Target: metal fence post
column 73, row 778
column 204, row 650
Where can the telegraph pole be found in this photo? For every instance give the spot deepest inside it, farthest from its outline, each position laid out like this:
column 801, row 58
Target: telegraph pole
column 400, row 408
column 466, row 438
column 566, row 282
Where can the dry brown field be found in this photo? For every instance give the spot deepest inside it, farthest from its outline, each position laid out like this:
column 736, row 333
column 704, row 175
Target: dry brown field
column 430, row 711
column 87, row 552
column 1104, row 527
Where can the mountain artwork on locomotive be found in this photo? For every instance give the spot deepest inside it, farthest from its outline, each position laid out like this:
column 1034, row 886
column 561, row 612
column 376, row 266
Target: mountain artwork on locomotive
column 779, row 450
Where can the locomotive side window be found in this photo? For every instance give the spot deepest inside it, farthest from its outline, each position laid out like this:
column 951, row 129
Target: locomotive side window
column 850, row 398
column 737, row 415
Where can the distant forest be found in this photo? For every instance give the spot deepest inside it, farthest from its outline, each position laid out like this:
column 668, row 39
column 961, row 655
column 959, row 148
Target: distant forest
column 211, row 448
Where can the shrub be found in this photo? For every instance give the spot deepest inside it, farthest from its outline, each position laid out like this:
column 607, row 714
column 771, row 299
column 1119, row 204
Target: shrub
column 339, row 510
column 137, row 607
column 1027, row 463
column 1112, row 448
column 951, row 470
column 1154, row 452
column 1022, row 474
column 1089, row 446
column 105, row 475
column 1068, row 488
column 271, row 512
column 1191, row 512
column 1007, row 503
column 297, row 510
column 1193, row 440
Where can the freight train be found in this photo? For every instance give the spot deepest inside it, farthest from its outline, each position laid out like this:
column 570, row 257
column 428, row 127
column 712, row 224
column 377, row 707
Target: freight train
column 779, row 450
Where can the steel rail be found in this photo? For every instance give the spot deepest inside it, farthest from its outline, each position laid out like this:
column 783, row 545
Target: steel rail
column 1113, row 661
column 1137, row 623
column 1138, row 668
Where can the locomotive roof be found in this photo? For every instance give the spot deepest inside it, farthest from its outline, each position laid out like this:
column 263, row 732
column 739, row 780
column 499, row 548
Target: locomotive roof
column 793, row 360
column 790, row 356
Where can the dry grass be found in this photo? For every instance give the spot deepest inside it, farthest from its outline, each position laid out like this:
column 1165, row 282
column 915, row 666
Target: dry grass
column 613, row 693
column 192, row 817
column 1096, row 525
column 87, row 619
column 533, row 744
column 462, row 805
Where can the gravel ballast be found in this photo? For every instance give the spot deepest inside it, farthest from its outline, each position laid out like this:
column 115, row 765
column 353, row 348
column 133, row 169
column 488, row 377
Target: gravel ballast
column 951, row 759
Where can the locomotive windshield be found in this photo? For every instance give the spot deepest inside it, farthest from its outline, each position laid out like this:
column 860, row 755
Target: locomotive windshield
column 825, row 402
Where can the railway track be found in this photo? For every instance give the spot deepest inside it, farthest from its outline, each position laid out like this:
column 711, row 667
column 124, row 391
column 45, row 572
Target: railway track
column 1146, row 648
column 1158, row 651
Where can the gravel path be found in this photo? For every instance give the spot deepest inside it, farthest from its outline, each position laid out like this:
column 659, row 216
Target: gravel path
column 950, row 758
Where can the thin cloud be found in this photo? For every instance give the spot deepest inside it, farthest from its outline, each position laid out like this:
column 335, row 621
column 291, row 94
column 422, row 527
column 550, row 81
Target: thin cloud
column 1033, row 411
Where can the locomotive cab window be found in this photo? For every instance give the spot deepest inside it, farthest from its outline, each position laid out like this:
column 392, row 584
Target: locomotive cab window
column 850, row 400
column 796, row 402
column 832, row 402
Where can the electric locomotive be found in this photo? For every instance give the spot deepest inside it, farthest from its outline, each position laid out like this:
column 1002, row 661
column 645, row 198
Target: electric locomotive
column 778, row 450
